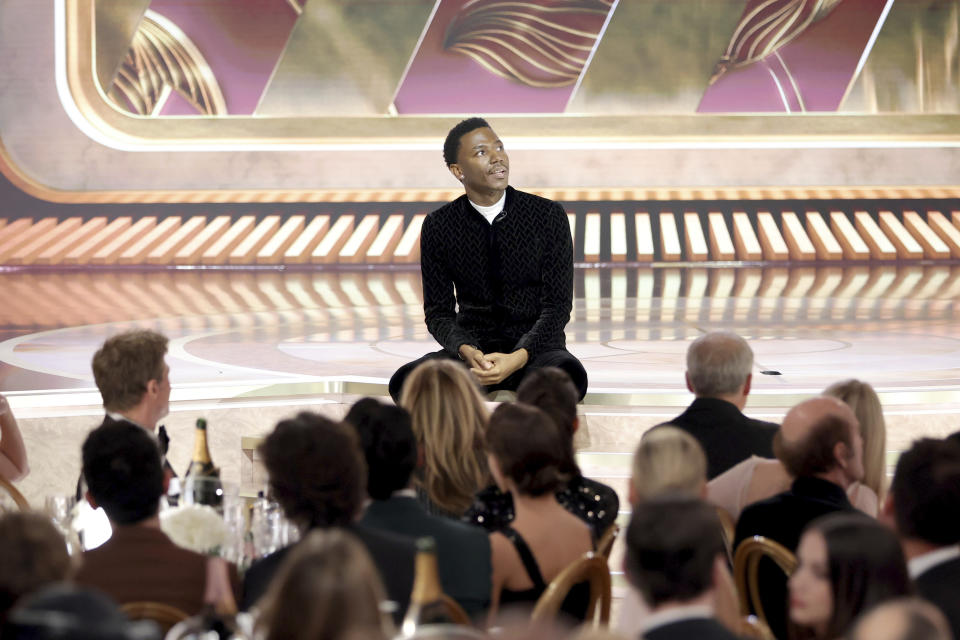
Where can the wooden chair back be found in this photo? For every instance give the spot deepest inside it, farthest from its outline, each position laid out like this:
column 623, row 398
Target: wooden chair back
column 590, row 567
column 745, row 570
column 607, row 539
column 163, row 614
column 15, row 495
column 753, row 627
column 455, row 611
column 727, row 530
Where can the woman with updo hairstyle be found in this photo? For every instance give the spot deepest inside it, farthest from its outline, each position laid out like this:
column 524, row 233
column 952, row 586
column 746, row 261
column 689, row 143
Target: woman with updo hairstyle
column 327, row 587
column 847, row 563
column 448, row 416
column 528, row 457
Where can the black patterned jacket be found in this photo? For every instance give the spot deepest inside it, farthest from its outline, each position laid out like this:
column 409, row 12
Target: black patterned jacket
column 501, row 286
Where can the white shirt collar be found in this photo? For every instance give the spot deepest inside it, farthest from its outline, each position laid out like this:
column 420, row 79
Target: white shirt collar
column 493, row 210
column 675, row 614
column 923, row 563
column 119, row 417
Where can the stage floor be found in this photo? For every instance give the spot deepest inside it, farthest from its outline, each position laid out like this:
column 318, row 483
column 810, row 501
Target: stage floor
column 894, row 326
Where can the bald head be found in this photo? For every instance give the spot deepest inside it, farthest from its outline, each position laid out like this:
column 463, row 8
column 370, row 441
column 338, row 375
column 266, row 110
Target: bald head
column 801, row 420
column 718, row 364
column 902, row 619
column 821, row 437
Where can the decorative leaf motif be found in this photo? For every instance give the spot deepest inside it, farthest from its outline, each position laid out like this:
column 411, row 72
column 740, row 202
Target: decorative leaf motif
column 161, row 58
column 767, row 27
column 539, row 44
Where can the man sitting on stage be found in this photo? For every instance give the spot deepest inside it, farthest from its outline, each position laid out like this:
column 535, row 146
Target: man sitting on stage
column 497, row 269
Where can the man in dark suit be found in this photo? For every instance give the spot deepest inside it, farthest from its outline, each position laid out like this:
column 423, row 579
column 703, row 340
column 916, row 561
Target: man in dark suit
column 821, row 447
column 924, row 505
column 134, row 381
column 719, row 374
column 124, row 475
column 463, row 551
column 675, row 558
column 316, row 472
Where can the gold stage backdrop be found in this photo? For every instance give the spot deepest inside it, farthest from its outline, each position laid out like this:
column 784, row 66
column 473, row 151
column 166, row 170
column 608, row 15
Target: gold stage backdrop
column 303, row 100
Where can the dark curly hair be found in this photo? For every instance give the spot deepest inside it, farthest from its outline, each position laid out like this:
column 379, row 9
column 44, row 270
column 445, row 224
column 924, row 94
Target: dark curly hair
column 317, row 472
column 451, row 146
column 388, row 444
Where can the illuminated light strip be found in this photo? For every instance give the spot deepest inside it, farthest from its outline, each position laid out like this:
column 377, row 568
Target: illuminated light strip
column 880, row 246
column 907, row 246
column 669, row 238
column 773, row 245
column 933, row 246
column 826, row 245
column 947, row 232
column 721, row 246
column 272, row 252
column 854, row 248
column 246, row 250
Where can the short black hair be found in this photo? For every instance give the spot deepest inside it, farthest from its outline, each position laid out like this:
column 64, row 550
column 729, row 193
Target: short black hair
column 388, row 443
column 124, row 471
column 451, row 146
column 672, row 543
column 926, row 491
column 316, row 469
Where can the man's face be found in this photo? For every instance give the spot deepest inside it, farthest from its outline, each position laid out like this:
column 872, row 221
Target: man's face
column 162, row 403
column 482, row 164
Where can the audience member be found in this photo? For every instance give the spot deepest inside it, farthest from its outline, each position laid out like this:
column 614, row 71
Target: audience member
column 924, row 505
column 64, row 611
column 667, row 460
column 670, row 462
column 719, row 374
column 820, row 446
column 134, row 381
column 758, row 478
column 327, row 587
column 551, row 390
column 317, row 474
column 862, row 398
column 675, row 559
column 463, row 552
column 902, row 619
column 32, row 554
column 846, row 564
column 124, row 475
column 13, row 454
column 526, row 455
column 449, row 417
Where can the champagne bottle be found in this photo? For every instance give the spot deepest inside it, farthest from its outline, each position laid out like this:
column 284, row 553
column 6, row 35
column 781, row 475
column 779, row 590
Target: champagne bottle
column 426, row 600
column 201, row 483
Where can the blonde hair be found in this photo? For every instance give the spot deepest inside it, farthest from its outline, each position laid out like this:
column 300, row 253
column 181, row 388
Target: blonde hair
column 668, row 459
column 861, row 397
column 449, row 419
column 327, row 587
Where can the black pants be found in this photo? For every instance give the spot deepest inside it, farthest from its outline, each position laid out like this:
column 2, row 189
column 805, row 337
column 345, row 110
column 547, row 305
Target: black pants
column 560, row 358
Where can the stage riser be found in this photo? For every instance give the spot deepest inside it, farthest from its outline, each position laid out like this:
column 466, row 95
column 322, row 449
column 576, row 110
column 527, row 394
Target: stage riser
column 603, row 232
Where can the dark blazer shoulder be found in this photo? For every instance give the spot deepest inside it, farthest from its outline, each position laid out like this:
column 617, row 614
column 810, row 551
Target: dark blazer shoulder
column 691, row 629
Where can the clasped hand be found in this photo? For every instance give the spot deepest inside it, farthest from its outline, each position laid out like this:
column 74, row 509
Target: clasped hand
column 492, row 368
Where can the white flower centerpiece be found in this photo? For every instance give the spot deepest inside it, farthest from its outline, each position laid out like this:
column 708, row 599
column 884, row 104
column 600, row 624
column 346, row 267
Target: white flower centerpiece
column 197, row 527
